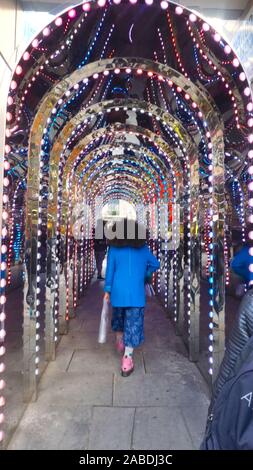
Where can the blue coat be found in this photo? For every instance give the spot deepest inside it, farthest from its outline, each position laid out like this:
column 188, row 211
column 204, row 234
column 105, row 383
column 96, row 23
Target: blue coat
column 127, row 268
column 240, row 264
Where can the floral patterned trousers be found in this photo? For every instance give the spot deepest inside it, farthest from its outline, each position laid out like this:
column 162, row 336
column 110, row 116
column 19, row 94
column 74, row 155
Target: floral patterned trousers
column 130, row 320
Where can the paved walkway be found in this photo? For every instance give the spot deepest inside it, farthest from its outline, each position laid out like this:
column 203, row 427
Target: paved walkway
column 84, row 403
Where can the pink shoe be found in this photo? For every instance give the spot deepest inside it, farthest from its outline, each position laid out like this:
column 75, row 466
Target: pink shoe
column 120, row 346
column 127, row 366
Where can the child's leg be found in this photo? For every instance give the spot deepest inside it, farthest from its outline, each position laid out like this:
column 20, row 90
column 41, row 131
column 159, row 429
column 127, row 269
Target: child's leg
column 117, row 322
column 118, row 327
column 133, row 337
column 134, row 327
column 128, row 351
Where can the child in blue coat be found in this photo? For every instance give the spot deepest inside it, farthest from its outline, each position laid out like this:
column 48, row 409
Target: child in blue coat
column 129, row 264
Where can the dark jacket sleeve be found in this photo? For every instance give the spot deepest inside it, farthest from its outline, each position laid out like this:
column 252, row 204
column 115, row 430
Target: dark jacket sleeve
column 237, row 415
column 241, row 332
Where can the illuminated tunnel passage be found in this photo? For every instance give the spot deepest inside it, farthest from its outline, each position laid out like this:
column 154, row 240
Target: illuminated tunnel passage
column 143, row 103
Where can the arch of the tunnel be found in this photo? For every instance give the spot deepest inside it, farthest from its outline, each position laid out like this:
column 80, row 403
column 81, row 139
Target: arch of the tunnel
column 164, row 199
column 203, row 106
column 96, row 171
column 68, row 131
column 53, row 314
column 219, row 64
column 120, row 103
column 179, row 170
column 56, row 149
column 168, row 132
column 105, row 106
column 53, row 193
column 121, row 129
column 134, row 186
column 121, row 193
column 34, row 174
column 149, row 201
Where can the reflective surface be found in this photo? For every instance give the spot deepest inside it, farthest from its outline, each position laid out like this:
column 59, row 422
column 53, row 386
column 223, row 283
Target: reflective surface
column 162, row 121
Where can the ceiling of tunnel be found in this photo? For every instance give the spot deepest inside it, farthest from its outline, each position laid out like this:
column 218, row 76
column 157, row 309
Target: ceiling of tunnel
column 130, row 92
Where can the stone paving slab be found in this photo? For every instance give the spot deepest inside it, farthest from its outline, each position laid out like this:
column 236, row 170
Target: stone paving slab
column 13, row 394
column 84, row 340
column 170, row 390
column 111, row 428
column 52, row 427
column 195, row 418
column 62, row 361
column 160, row 428
column 158, row 361
column 162, row 340
column 101, row 361
column 61, row 387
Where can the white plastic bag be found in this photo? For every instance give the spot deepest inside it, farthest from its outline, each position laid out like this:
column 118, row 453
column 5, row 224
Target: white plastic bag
column 104, row 322
column 149, row 290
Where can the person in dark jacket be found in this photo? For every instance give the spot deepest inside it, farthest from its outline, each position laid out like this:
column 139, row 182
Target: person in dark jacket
column 230, row 422
column 100, row 247
column 242, row 330
column 129, row 263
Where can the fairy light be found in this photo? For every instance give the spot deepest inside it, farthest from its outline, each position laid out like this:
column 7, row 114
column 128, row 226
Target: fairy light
column 166, row 228
column 175, row 259
column 76, row 270
column 4, row 254
column 60, row 256
column 175, row 46
column 226, row 260
column 92, row 259
column 162, row 45
column 46, row 32
column 107, row 41
column 72, row 13
column 241, row 202
column 38, row 65
column 211, row 248
column 88, row 54
column 68, row 286
column 11, row 231
column 43, row 146
column 56, row 290
column 164, row 5
column 179, row 10
column 82, row 258
column 228, row 89
column 86, row 6
column 175, row 256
